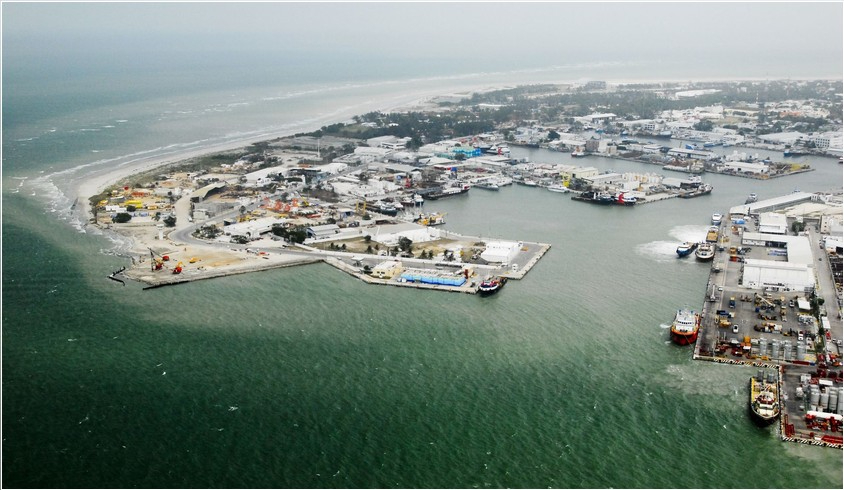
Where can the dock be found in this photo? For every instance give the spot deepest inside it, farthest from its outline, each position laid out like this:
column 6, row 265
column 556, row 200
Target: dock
column 771, row 329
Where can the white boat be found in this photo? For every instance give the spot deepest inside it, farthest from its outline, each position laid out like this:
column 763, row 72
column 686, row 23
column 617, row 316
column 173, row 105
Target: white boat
column 558, row 188
column 705, row 252
column 485, row 183
column 502, row 181
column 716, row 218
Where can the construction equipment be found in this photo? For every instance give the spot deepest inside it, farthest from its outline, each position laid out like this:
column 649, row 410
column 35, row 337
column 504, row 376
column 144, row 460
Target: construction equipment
column 360, row 208
column 178, row 268
column 157, row 263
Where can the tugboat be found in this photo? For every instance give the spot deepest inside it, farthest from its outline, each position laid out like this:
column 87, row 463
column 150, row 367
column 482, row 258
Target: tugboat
column 685, row 327
column 705, row 252
column 686, row 248
column 764, row 398
column 491, row 285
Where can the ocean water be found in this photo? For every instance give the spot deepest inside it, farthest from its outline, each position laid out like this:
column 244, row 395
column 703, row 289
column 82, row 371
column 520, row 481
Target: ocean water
column 307, row 377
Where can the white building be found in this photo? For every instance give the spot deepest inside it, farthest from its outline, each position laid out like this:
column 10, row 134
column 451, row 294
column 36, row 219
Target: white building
column 795, row 274
column 773, row 223
column 501, row 252
column 748, row 167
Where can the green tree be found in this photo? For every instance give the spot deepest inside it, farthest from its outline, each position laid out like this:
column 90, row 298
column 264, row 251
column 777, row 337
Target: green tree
column 405, row 244
column 121, row 218
column 704, row 125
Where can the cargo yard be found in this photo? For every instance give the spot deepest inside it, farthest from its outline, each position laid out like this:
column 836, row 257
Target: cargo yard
column 766, row 305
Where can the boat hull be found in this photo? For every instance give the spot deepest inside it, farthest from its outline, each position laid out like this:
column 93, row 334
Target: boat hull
column 680, row 338
column 760, row 420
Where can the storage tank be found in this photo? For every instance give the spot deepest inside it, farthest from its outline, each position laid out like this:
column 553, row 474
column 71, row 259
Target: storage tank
column 814, row 395
column 775, row 349
column 772, row 376
column 763, row 347
column 801, row 351
column 825, row 400
column 833, row 400
column 786, row 350
column 760, row 375
column 841, row 401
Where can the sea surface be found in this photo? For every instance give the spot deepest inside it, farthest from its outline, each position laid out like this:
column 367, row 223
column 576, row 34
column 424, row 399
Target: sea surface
column 307, row 377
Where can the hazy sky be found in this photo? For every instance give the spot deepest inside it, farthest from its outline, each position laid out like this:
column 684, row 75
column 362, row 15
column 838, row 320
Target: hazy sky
column 534, row 34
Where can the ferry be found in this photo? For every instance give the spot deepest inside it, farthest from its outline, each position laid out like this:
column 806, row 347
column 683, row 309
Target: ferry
column 686, row 248
column 705, row 252
column 716, row 218
column 685, row 327
column 491, row 285
column 764, row 397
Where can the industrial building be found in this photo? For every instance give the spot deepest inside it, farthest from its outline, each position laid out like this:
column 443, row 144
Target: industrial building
column 501, row 252
column 796, row 273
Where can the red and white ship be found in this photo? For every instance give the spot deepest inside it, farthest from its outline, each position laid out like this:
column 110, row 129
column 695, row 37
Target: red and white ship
column 685, row 327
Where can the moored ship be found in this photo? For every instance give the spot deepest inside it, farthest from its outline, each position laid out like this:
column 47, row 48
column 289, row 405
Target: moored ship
column 450, row 191
column 491, row 285
column 685, row 327
column 600, row 197
column 686, row 248
column 712, row 234
column 764, row 397
column 705, row 252
column 716, row 218
column 558, row 188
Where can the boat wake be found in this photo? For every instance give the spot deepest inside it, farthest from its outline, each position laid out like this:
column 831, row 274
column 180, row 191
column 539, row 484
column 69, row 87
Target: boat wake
column 666, row 250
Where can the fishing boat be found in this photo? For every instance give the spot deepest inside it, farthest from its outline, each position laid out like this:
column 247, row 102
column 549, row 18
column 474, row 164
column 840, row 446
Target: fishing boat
column 685, row 327
column 764, row 397
column 686, row 248
column 751, row 198
column 491, row 285
column 705, row 252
